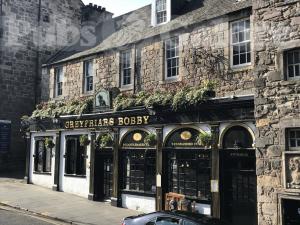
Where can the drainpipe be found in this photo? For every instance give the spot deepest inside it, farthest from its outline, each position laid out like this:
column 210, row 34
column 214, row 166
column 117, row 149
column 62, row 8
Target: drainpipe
column 37, row 69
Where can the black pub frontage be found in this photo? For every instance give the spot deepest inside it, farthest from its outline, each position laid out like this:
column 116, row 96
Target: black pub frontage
column 201, row 160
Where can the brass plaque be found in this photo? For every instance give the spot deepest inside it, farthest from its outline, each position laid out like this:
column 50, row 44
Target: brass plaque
column 137, row 137
column 186, row 135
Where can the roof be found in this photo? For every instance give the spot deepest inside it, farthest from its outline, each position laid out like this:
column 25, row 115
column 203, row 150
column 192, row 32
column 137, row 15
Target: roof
column 136, row 26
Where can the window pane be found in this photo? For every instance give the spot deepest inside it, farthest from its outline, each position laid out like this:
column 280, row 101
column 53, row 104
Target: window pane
column 247, row 34
column 247, row 24
column 297, row 57
column 242, row 58
column 291, row 71
column 235, row 27
column 297, row 134
column 241, row 36
column 292, row 143
column 297, row 70
column 298, row 143
column 235, row 38
column 241, row 25
column 236, row 60
column 236, row 50
column 290, row 58
column 242, row 48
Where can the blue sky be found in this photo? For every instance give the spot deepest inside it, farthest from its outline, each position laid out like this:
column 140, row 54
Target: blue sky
column 119, row 7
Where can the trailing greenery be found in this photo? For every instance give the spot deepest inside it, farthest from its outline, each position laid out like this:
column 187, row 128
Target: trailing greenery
column 105, row 140
column 150, row 139
column 84, row 140
column 53, row 109
column 184, row 98
column 178, row 100
column 204, row 139
column 49, row 143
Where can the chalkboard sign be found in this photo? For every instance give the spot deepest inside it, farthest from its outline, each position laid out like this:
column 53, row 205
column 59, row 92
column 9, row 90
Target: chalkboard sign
column 5, row 132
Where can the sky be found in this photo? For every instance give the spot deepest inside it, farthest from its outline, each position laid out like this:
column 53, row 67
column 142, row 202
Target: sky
column 119, row 7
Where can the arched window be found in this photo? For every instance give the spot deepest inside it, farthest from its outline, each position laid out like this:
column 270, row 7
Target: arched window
column 237, row 137
column 138, row 163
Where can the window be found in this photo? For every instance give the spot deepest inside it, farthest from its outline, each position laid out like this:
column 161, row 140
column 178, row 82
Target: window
column 139, row 168
column 161, row 11
column 240, row 43
column 75, row 156
column 237, row 137
column 189, row 174
column 88, row 76
column 126, row 68
column 43, row 157
column 172, row 57
column 58, row 81
column 294, row 139
column 293, row 64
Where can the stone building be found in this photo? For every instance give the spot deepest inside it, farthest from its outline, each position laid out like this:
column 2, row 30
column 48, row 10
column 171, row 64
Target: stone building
column 30, row 33
column 277, row 108
column 192, row 101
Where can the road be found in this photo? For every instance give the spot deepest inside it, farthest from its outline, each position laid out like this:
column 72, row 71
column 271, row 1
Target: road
column 14, row 217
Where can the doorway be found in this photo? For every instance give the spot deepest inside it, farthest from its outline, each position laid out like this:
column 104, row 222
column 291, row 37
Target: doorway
column 238, row 177
column 103, row 175
column 238, row 193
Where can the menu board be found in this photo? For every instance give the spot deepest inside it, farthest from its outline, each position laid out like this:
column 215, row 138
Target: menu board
column 5, row 132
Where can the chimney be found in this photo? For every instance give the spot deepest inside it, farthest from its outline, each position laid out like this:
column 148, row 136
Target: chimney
column 94, row 13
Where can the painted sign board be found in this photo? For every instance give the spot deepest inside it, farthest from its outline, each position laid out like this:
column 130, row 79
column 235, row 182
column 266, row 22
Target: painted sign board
column 5, row 133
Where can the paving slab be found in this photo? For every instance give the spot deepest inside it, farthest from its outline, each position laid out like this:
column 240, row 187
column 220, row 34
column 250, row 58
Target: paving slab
column 67, row 207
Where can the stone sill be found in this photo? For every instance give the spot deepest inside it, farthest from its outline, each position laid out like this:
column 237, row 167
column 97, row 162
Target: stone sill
column 75, row 176
column 126, row 88
column 87, row 94
column 170, row 81
column 237, row 69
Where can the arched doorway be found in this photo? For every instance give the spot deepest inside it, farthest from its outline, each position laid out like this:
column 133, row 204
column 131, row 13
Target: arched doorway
column 238, row 177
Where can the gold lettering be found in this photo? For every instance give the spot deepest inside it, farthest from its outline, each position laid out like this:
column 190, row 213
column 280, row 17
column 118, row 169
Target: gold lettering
column 105, row 122
column 99, row 123
column 126, row 121
column 91, row 123
column 96, row 123
column 146, row 119
column 76, row 124
column 67, row 125
column 139, row 120
column 71, row 124
column 86, row 122
column 111, row 121
column 121, row 121
column 132, row 120
column 81, row 123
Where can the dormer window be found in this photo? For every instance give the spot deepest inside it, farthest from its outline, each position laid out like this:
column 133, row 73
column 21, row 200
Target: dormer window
column 161, row 11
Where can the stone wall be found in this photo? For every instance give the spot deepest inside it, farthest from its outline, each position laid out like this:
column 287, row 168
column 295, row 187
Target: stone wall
column 202, row 49
column 277, row 100
column 21, row 55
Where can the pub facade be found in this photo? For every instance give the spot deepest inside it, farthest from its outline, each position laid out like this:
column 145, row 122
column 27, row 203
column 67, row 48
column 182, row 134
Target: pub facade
column 167, row 113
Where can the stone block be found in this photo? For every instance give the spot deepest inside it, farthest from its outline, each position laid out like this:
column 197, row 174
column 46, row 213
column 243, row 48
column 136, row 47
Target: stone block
column 259, row 83
column 274, row 151
column 263, row 141
column 273, row 76
column 296, row 20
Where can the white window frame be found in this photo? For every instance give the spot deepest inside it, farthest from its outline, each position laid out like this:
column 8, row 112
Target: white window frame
column 87, row 76
column 154, row 12
column 59, row 80
column 176, row 48
column 163, row 10
column 240, row 42
column 294, row 65
column 128, row 55
column 297, row 148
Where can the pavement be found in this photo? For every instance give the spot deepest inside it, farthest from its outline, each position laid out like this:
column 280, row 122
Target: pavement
column 15, row 193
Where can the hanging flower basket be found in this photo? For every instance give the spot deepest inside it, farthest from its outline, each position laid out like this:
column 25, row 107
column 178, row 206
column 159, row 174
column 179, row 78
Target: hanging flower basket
column 105, row 141
column 204, row 139
column 150, row 139
column 49, row 143
column 84, row 140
